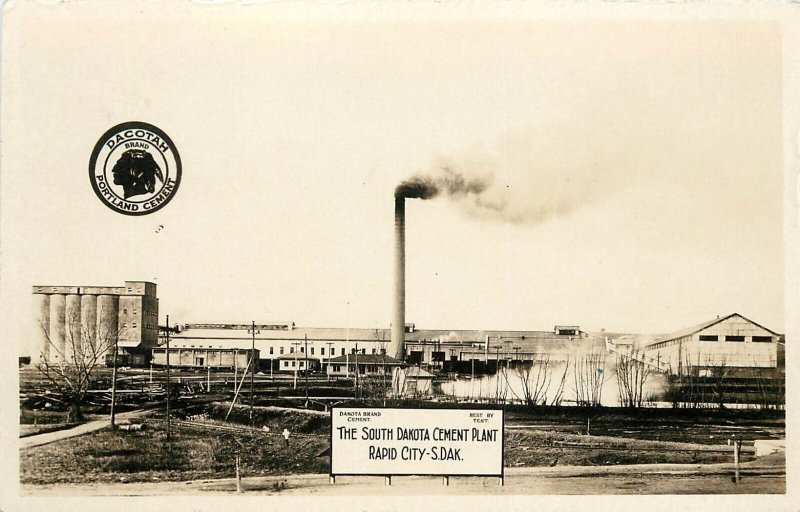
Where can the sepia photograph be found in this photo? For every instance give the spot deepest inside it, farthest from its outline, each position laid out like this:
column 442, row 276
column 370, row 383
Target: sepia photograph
column 483, row 253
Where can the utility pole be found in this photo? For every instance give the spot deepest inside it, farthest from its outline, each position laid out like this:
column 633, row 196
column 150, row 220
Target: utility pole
column 253, row 371
column 358, row 390
column 295, row 347
column 114, row 383
column 328, row 369
column 168, row 382
column 305, row 341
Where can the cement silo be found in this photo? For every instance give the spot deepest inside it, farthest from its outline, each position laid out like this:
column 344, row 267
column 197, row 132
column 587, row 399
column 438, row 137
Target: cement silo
column 89, row 322
column 74, row 340
column 57, row 318
column 107, row 321
column 41, row 315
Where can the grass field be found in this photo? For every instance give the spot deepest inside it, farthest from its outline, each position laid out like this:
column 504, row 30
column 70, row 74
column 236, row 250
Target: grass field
column 196, row 453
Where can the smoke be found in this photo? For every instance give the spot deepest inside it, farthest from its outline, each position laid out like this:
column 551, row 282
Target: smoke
column 533, row 182
column 443, row 180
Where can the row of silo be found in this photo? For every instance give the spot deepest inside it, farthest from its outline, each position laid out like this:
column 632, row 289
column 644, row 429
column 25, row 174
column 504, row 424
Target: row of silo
column 71, row 325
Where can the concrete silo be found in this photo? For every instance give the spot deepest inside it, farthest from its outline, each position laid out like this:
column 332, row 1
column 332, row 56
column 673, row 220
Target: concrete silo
column 41, row 327
column 57, row 317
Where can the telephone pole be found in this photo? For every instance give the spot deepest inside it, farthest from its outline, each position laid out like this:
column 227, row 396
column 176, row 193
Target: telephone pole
column 168, row 382
column 114, row 383
column 305, row 342
column 253, row 371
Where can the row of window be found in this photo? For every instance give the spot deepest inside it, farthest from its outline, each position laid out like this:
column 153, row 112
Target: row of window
column 757, row 339
column 322, row 351
column 311, row 352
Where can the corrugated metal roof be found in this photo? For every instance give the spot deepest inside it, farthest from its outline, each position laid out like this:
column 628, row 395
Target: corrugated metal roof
column 360, row 334
column 688, row 331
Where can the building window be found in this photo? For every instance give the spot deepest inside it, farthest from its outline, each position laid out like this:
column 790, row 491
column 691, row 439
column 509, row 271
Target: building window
column 352, row 351
column 285, row 364
column 124, row 311
column 303, row 350
column 312, row 351
column 708, row 337
column 734, row 338
column 322, row 351
column 373, row 350
column 383, row 351
column 363, row 351
column 281, row 351
column 294, row 363
column 342, row 350
column 337, row 367
column 271, row 350
column 762, row 339
column 291, row 350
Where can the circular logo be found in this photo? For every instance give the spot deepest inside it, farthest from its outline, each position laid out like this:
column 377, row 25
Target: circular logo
column 135, row 168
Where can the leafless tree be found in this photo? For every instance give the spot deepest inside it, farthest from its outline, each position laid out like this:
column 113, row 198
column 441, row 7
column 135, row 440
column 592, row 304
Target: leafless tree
column 589, row 376
column 535, row 379
column 632, row 374
column 559, row 394
column 718, row 371
column 69, row 362
column 500, row 390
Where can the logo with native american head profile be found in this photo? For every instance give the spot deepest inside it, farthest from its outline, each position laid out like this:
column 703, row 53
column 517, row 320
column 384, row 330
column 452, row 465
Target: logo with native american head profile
column 135, row 168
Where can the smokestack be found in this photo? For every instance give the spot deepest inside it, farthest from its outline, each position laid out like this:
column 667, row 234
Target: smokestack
column 397, row 348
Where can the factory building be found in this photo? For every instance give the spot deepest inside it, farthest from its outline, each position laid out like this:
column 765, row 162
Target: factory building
column 733, row 342
column 71, row 321
column 367, row 364
column 446, row 349
column 203, row 358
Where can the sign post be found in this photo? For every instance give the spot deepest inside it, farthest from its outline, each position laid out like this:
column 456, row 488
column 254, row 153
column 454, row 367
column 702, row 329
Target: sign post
column 424, row 442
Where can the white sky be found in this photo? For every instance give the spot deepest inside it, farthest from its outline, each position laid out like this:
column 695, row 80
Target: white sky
column 665, row 139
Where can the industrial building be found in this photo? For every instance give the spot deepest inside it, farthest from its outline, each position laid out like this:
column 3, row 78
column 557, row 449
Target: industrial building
column 71, row 321
column 367, row 364
column 454, row 350
column 732, row 342
column 203, row 357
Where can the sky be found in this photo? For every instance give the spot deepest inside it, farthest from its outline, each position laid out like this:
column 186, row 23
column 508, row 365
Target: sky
column 639, row 165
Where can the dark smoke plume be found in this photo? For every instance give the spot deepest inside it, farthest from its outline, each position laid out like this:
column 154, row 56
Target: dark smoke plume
column 446, row 181
column 524, row 187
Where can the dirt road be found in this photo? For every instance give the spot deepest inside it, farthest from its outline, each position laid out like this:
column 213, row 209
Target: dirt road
column 757, row 477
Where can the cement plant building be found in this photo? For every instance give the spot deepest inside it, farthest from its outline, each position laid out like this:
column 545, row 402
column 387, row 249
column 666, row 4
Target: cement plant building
column 455, row 350
column 70, row 320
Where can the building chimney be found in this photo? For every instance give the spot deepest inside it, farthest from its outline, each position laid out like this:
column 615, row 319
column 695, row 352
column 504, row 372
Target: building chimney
column 397, row 348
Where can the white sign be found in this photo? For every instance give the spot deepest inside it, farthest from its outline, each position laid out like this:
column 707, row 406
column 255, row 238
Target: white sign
column 385, row 441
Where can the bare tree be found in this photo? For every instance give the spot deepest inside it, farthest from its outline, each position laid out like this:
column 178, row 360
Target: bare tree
column 70, row 358
column 632, row 374
column 718, row 372
column 589, row 375
column 559, row 394
column 535, row 379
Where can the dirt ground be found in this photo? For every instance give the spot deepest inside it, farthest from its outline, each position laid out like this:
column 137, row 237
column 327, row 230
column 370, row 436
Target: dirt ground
column 762, row 477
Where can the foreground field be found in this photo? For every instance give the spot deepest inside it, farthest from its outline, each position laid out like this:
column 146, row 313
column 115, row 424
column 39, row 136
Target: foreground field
column 765, row 476
column 203, row 447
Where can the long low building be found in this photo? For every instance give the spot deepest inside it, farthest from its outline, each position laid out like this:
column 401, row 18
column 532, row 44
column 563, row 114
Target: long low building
column 423, row 346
